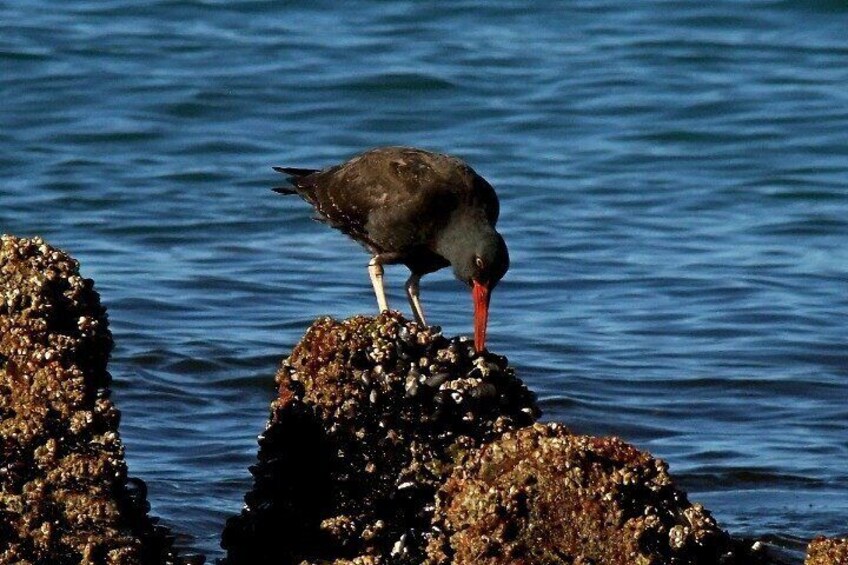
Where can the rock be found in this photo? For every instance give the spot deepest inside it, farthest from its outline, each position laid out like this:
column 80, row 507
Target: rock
column 64, row 492
column 543, row 495
column 827, row 551
column 371, row 416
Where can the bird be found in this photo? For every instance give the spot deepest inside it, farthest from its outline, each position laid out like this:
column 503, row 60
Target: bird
column 419, row 208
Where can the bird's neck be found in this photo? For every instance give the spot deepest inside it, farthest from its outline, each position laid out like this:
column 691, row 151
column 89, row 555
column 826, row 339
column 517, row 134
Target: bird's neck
column 460, row 235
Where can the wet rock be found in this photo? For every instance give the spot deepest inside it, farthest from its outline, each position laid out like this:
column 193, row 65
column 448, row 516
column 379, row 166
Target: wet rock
column 371, row 416
column 64, row 492
column 542, row 495
column 827, row 551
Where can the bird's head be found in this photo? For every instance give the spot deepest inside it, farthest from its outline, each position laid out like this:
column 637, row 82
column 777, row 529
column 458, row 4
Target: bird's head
column 481, row 264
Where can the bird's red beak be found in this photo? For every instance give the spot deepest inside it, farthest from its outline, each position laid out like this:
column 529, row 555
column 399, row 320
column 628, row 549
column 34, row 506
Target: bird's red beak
column 481, row 314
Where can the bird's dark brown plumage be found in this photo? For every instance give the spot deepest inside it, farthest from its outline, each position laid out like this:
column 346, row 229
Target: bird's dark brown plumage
column 396, row 200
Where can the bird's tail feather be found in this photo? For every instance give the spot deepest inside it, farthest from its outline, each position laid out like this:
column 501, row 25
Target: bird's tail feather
column 294, row 174
column 295, row 171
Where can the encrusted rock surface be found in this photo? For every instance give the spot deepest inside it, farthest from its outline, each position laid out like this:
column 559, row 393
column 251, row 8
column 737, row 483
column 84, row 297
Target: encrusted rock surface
column 544, row 496
column 371, row 416
column 827, row 551
column 64, row 492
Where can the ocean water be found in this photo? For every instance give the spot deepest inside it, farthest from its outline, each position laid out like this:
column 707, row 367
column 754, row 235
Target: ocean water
column 673, row 178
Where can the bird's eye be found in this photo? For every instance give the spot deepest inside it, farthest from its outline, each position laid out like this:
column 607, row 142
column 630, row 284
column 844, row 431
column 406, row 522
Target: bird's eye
column 479, row 262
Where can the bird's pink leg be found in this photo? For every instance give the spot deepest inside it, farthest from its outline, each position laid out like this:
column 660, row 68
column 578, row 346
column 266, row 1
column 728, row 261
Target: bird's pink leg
column 375, row 271
column 412, row 290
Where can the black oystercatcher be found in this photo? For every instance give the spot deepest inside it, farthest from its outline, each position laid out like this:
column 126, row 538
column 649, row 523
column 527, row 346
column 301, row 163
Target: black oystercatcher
column 425, row 210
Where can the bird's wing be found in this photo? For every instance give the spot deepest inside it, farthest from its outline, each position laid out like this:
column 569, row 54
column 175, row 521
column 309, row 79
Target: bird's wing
column 443, row 176
column 391, row 198
column 340, row 199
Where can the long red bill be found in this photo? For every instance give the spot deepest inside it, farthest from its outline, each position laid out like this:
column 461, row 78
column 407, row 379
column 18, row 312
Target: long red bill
column 481, row 315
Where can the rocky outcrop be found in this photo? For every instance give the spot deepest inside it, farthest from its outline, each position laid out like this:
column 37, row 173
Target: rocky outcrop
column 372, row 415
column 827, row 551
column 543, row 495
column 64, row 492
column 391, row 444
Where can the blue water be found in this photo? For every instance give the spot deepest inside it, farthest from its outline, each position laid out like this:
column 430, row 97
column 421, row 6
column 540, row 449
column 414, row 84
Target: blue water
column 674, row 186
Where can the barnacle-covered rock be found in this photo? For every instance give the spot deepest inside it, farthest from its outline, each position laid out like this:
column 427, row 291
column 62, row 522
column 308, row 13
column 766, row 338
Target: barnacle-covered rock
column 371, row 416
column 64, row 492
column 543, row 495
column 827, row 551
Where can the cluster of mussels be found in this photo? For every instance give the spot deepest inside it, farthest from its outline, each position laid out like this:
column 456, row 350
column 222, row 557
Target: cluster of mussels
column 64, row 493
column 372, row 415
